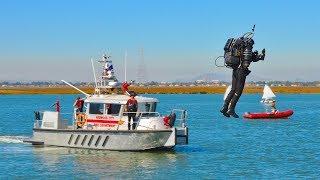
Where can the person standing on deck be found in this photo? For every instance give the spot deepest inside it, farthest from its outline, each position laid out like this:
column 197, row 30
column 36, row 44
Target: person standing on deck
column 132, row 107
column 78, row 105
column 57, row 105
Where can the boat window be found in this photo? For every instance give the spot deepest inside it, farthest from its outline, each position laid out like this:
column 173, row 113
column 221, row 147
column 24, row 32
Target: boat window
column 113, row 109
column 153, row 107
column 148, row 109
column 96, row 108
column 85, row 107
column 141, row 107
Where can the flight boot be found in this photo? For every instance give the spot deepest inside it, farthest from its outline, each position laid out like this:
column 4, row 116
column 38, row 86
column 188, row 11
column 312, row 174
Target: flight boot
column 232, row 113
column 224, row 110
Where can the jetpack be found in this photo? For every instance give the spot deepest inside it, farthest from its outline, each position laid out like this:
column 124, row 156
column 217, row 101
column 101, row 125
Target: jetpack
column 235, row 50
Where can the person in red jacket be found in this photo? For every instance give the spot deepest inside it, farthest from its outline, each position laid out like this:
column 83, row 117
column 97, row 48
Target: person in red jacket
column 125, row 86
column 57, row 105
column 78, row 104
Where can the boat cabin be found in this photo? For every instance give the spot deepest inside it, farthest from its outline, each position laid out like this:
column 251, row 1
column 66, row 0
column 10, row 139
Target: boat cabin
column 109, row 111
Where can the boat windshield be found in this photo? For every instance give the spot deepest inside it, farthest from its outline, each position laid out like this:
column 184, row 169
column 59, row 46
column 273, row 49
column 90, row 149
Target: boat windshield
column 112, row 109
column 96, row 108
column 101, row 108
column 148, row 107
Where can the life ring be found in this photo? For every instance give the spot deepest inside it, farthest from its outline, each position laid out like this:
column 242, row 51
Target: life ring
column 81, row 120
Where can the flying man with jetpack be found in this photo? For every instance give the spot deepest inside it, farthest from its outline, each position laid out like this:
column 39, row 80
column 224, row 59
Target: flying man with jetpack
column 238, row 55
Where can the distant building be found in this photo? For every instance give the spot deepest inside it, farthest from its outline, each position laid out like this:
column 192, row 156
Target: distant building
column 199, row 81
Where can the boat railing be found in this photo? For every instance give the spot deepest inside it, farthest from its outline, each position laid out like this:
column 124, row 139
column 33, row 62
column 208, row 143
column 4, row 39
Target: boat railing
column 181, row 116
column 143, row 114
column 148, row 114
column 38, row 118
column 37, row 123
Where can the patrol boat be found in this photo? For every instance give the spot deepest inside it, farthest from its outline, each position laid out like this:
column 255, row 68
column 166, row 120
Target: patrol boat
column 103, row 124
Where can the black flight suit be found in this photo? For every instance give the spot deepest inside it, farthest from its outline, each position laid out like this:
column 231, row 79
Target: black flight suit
column 239, row 75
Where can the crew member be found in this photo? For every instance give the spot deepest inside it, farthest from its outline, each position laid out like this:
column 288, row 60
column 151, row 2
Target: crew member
column 125, row 86
column 57, row 105
column 132, row 107
column 78, row 104
column 238, row 55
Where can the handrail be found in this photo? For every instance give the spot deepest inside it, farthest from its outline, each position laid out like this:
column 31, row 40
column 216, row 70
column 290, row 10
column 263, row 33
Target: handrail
column 39, row 118
column 183, row 116
column 52, row 111
column 141, row 112
column 37, row 123
column 184, row 113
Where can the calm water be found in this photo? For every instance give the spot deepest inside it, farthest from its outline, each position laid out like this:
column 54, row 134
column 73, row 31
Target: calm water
column 219, row 147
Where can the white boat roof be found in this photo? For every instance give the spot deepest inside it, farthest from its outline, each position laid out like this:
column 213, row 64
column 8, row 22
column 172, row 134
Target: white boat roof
column 117, row 99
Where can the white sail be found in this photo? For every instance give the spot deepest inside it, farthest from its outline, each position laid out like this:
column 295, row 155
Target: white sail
column 267, row 93
column 227, row 92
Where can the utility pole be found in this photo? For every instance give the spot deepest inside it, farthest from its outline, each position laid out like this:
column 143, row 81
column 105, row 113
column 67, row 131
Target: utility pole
column 141, row 71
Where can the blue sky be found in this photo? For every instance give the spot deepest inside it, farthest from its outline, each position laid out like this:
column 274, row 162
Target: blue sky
column 53, row 40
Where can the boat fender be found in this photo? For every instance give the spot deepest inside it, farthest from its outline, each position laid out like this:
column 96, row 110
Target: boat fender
column 81, row 120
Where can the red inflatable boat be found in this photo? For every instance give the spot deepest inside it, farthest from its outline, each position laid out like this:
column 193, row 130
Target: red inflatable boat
column 269, row 115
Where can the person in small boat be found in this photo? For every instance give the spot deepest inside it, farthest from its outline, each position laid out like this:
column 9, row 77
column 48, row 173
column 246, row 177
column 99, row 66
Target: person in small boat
column 273, row 106
column 78, row 104
column 132, row 107
column 238, row 56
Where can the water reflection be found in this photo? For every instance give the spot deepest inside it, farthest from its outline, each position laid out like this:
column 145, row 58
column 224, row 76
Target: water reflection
column 101, row 162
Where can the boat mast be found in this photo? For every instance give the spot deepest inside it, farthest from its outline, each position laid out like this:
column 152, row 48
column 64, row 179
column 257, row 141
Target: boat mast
column 108, row 81
column 94, row 73
column 125, row 66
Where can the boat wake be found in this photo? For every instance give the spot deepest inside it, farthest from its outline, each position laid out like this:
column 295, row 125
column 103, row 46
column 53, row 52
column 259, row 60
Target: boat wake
column 12, row 139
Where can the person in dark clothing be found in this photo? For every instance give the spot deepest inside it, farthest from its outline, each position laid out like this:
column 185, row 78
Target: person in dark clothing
column 132, row 107
column 238, row 55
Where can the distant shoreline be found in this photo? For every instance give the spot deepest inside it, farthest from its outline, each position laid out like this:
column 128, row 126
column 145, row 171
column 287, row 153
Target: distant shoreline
column 159, row 90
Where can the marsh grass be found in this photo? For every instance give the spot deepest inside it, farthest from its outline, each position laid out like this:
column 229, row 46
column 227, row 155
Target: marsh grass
column 159, row 90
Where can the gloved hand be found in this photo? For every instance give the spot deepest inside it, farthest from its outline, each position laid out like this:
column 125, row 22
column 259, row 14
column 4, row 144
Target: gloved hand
column 263, row 54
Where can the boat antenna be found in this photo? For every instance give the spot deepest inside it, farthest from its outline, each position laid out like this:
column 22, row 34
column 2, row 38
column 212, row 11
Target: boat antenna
column 125, row 66
column 94, row 74
column 75, row 88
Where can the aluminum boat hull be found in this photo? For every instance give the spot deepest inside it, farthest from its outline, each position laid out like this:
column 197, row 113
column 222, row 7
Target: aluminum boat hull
column 105, row 140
